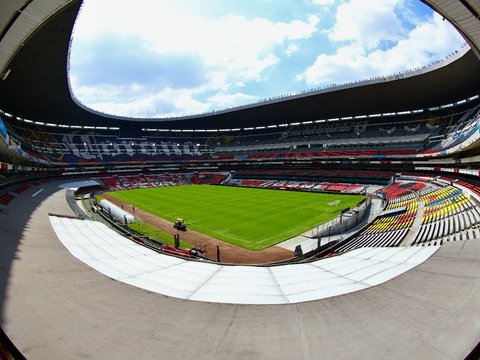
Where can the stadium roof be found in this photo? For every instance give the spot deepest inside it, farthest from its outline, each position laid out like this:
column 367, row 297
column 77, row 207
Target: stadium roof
column 35, row 84
column 464, row 15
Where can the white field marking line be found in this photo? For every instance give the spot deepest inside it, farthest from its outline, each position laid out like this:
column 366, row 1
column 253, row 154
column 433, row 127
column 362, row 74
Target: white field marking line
column 38, row 192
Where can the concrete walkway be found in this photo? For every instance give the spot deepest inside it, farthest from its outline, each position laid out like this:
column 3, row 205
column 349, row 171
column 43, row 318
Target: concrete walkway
column 417, row 223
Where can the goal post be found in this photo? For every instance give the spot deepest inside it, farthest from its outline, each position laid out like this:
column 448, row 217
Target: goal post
column 334, row 203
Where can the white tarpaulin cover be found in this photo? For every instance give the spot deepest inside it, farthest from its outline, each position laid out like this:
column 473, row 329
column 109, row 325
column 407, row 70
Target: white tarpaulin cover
column 116, row 212
column 106, row 251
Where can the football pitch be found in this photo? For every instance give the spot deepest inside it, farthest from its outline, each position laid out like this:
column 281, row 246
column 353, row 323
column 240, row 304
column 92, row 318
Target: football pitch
column 251, row 218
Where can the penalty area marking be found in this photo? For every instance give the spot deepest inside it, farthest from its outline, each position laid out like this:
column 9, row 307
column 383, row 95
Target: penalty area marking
column 334, row 203
column 38, row 192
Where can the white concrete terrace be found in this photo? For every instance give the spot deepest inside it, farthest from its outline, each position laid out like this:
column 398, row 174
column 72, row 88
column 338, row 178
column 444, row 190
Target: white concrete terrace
column 119, row 258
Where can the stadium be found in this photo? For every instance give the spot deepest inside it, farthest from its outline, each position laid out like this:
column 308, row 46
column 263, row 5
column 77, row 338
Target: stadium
column 391, row 272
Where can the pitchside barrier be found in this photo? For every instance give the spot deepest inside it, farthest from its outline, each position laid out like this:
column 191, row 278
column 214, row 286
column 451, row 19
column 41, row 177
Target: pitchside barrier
column 348, row 219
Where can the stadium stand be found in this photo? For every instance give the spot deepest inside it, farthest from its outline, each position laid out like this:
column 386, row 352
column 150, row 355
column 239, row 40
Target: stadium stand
column 407, row 137
column 449, row 215
column 387, row 230
column 6, row 198
column 300, row 185
column 21, row 189
column 399, row 189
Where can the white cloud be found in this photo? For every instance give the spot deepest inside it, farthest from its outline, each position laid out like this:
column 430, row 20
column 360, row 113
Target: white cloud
column 367, row 22
column 360, row 59
column 233, row 42
column 292, row 48
column 323, row 2
column 199, row 63
column 182, row 101
column 131, row 100
column 124, row 102
column 230, row 100
column 232, row 49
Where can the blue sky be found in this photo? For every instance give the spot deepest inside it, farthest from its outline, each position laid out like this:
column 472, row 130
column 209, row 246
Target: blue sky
column 164, row 58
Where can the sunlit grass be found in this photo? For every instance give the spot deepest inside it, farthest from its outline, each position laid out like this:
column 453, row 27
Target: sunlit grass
column 251, row 218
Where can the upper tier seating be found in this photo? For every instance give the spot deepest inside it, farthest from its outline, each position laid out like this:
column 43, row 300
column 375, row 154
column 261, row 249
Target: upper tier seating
column 397, row 133
column 373, row 137
column 459, row 131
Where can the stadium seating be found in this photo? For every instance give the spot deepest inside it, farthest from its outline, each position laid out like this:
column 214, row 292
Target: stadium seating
column 208, row 178
column 21, row 189
column 399, row 189
column 300, row 185
column 458, row 132
column 449, row 215
column 6, row 198
column 158, row 180
column 472, row 187
column 387, row 230
column 378, row 137
column 143, row 181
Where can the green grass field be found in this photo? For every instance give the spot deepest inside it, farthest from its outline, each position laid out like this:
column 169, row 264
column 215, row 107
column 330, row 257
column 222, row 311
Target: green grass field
column 251, row 218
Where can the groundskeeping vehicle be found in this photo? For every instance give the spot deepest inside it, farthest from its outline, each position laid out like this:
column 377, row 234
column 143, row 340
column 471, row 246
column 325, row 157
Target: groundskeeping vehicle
column 180, row 224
